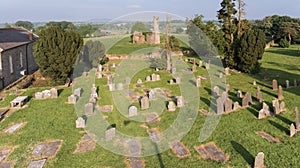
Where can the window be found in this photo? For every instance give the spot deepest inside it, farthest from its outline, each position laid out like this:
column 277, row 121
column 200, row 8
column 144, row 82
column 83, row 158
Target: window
column 11, row 65
column 21, row 59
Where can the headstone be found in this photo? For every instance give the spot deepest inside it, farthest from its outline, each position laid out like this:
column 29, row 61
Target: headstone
column 110, row 134
column 254, row 83
column 227, row 87
column 148, row 78
column 92, row 100
column 114, row 65
column 228, row 105
column 198, row 82
column 80, row 123
column 127, row 80
column 153, row 77
column 200, row 63
column 171, row 106
column 287, row 84
column 112, row 87
column 151, row 94
column 99, row 75
column 292, row 130
column 194, row 69
column 295, row 82
column 178, row 80
column 132, row 111
column 239, row 94
column 120, row 86
column 54, row 93
column 207, row 65
column 171, row 82
column 72, row 99
column 226, row 71
column 259, row 95
column 221, row 75
column 180, row 102
column 173, row 70
column 274, row 85
column 109, row 79
column 224, row 96
column 297, row 119
column 247, row 99
column 46, row 94
column 85, row 74
column 266, row 109
column 282, row 106
column 236, row 106
column 89, row 109
column 139, row 81
column 38, row 95
column 107, row 68
column 145, row 103
column 276, row 108
column 94, row 91
column 259, row 160
column 100, row 68
column 158, row 77
column 216, row 91
column 280, row 96
column 77, row 92
column 220, row 106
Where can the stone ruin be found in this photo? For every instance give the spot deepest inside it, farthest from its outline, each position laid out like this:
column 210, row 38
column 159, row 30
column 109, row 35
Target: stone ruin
column 52, row 93
column 151, row 37
column 138, row 38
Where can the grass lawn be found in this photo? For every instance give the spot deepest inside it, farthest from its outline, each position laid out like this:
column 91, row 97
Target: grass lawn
column 53, row 119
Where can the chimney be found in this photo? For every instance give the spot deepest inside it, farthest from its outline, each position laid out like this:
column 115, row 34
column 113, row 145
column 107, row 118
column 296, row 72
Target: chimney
column 30, row 36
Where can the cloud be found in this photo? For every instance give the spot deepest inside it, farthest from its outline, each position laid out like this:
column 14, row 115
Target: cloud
column 134, row 6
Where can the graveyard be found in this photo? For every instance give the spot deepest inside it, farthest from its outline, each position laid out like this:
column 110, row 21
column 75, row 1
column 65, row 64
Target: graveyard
column 43, row 131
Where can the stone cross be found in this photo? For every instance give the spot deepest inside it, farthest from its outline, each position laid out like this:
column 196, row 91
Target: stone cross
column 280, row 96
column 145, row 103
column 274, row 85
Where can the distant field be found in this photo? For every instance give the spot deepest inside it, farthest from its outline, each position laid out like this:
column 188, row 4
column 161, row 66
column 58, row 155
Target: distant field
column 235, row 134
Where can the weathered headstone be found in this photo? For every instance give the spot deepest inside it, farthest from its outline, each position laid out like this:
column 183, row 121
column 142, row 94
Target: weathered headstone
column 292, row 130
column 127, row 80
column 216, row 91
column 280, row 94
column 247, row 99
column 153, row 77
column 77, row 92
column 228, row 105
column 259, row 160
column 226, row 71
column 227, row 88
column 171, row 106
column 112, row 87
column 198, row 82
column 72, row 99
column 89, row 109
column 287, row 84
column 120, row 86
column 266, row 109
column 100, row 68
column 282, row 107
column 38, row 95
column 297, row 119
column 132, row 111
column 276, row 108
column 54, row 93
column 236, row 106
column 158, row 77
column 295, row 83
column 110, row 134
column 148, row 78
column 239, row 94
column 139, row 81
column 224, row 96
column 180, row 101
column 254, row 83
column 259, row 95
column 145, row 103
column 220, row 106
column 200, row 63
column 109, row 79
column 151, row 94
column 80, row 123
column 274, row 85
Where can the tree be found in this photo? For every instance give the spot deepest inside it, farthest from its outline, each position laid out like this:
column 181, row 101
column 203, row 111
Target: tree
column 86, row 30
column 56, row 51
column 139, row 27
column 289, row 29
column 6, row 25
column 179, row 30
column 241, row 16
column 283, row 43
column 174, row 43
column 95, row 52
column 249, row 50
column 62, row 24
column 25, row 24
column 226, row 16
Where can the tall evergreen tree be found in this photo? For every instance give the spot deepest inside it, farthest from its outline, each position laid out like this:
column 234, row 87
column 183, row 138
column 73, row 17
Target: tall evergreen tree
column 56, row 51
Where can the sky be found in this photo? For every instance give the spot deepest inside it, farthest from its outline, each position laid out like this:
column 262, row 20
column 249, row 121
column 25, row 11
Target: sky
column 85, row 10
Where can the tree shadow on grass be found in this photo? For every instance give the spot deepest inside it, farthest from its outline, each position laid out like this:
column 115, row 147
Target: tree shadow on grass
column 280, row 127
column 288, row 52
column 243, row 152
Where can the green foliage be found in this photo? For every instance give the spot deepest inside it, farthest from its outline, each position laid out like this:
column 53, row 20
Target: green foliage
column 160, row 63
column 6, row 25
column 94, row 53
column 25, row 24
column 174, row 43
column 86, row 30
column 284, row 43
column 179, row 30
column 56, row 51
column 249, row 50
column 139, row 27
column 62, row 24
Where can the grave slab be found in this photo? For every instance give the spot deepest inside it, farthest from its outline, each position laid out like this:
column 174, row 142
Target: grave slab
column 268, row 137
column 179, row 149
column 37, row 163
column 212, row 152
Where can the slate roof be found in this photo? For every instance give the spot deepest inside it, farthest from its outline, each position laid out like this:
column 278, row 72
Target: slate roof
column 14, row 37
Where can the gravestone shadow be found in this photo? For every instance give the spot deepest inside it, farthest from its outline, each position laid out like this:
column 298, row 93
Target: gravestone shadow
column 243, row 152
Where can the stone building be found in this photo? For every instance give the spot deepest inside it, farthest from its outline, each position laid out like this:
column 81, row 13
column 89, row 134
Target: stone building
column 16, row 54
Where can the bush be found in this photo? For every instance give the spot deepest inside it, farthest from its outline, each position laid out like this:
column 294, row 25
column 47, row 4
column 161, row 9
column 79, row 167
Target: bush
column 284, row 43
